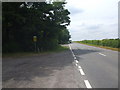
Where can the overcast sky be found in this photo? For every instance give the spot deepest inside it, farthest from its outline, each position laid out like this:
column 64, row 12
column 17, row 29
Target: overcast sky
column 93, row 19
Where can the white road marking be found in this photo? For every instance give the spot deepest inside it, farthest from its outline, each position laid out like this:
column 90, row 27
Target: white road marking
column 73, row 55
column 79, row 67
column 70, row 47
column 76, row 64
column 81, row 71
column 75, row 58
column 71, row 51
column 102, row 54
column 87, row 84
column 76, row 61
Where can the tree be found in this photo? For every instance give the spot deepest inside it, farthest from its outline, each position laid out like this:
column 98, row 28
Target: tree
column 21, row 21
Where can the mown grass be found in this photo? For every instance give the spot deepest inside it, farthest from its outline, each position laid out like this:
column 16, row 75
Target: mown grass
column 23, row 54
column 105, row 47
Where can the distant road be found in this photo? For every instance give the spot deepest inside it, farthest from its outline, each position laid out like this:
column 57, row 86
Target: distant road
column 100, row 66
column 80, row 67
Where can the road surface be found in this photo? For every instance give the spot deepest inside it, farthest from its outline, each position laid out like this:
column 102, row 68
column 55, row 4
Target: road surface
column 80, row 67
column 100, row 66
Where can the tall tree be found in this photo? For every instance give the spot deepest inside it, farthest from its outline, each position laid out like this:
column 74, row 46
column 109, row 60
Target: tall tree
column 21, row 21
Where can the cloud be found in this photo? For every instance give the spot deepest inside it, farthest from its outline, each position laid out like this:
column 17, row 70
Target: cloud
column 74, row 10
column 114, row 24
column 89, row 26
column 93, row 31
column 93, row 27
column 91, row 21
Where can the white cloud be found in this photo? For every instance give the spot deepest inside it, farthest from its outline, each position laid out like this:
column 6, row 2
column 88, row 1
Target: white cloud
column 75, row 10
column 93, row 19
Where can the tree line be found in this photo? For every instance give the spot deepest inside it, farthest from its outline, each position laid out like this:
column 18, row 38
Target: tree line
column 115, row 43
column 23, row 20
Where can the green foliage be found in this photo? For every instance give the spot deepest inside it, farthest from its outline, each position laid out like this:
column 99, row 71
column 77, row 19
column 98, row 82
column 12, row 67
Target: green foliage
column 64, row 36
column 21, row 21
column 115, row 43
column 23, row 54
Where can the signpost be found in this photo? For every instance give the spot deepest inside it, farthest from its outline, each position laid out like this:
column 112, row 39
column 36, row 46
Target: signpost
column 35, row 40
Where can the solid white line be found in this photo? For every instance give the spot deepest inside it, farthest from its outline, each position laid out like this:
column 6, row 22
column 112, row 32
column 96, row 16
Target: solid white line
column 102, row 54
column 81, row 71
column 87, row 84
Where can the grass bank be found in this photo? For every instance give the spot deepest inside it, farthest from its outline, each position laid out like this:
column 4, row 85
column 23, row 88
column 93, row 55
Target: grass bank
column 105, row 47
column 23, row 54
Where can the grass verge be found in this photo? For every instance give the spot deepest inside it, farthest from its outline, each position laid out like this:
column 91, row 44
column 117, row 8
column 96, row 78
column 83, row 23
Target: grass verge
column 23, row 54
column 105, row 47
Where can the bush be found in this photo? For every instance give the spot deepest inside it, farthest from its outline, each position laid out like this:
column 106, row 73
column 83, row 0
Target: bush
column 11, row 47
column 115, row 43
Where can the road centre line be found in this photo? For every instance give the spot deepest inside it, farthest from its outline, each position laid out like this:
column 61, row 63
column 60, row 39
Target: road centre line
column 87, row 84
column 81, row 71
column 102, row 54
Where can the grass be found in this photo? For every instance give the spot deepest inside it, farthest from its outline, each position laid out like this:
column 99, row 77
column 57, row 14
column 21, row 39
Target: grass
column 60, row 48
column 23, row 54
column 115, row 49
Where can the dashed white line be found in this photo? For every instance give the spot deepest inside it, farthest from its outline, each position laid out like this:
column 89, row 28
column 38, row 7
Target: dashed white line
column 79, row 67
column 70, row 47
column 81, row 71
column 76, row 64
column 74, row 57
column 87, row 84
column 76, row 61
column 72, row 51
column 102, row 54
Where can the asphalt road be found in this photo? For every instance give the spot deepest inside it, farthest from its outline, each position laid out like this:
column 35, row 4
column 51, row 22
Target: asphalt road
column 55, row 70
column 100, row 66
column 80, row 67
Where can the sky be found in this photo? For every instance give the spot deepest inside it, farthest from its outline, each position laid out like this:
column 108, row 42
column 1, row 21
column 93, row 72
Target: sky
column 93, row 19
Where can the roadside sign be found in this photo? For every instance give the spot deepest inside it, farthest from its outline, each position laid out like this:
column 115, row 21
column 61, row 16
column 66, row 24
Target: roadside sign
column 35, row 38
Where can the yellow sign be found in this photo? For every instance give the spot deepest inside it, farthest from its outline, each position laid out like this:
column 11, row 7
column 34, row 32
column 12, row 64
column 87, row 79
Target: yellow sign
column 35, row 38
